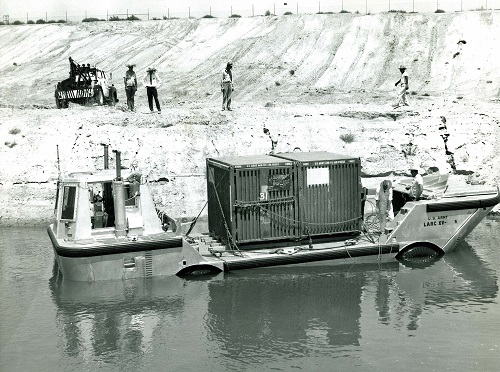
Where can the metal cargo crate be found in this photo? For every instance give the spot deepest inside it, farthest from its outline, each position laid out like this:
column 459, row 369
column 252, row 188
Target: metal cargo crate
column 251, row 199
column 329, row 192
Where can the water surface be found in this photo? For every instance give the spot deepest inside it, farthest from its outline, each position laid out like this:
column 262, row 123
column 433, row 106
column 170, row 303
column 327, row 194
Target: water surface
column 378, row 316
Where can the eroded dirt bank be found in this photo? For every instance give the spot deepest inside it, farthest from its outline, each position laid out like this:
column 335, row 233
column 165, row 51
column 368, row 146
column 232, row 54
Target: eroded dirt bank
column 308, row 79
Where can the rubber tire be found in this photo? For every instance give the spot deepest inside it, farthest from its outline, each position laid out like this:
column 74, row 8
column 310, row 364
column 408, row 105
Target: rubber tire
column 59, row 102
column 112, row 98
column 419, row 256
column 99, row 96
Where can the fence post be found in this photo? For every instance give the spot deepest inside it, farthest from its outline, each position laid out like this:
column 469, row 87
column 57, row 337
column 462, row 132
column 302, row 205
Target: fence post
column 319, row 6
column 148, row 14
column 189, row 12
column 46, row 19
column 107, row 15
column 297, row 8
column 26, row 17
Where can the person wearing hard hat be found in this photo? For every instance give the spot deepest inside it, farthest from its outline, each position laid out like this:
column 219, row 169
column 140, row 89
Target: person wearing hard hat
column 383, row 203
column 151, row 81
column 130, row 81
column 402, row 83
column 226, row 86
column 417, row 186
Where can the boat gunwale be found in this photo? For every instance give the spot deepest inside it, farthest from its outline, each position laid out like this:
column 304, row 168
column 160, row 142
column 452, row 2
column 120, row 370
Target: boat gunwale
column 129, row 246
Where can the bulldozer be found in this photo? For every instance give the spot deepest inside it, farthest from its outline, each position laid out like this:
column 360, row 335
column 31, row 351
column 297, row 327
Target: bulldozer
column 85, row 86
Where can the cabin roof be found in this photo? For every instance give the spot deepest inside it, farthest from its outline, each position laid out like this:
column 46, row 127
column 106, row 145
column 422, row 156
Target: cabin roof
column 96, row 176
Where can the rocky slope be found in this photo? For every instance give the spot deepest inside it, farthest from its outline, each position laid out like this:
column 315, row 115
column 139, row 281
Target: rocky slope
column 308, row 79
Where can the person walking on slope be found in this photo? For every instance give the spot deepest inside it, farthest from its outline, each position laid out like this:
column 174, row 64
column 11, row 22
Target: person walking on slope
column 226, row 86
column 403, row 88
column 130, row 81
column 151, row 81
column 383, row 201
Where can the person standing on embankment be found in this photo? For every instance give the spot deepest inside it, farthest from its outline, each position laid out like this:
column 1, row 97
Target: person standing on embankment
column 151, row 81
column 403, row 88
column 226, row 86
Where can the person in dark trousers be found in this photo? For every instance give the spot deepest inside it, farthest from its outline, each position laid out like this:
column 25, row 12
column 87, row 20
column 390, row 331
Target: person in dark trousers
column 130, row 81
column 151, row 81
column 403, row 88
column 226, row 86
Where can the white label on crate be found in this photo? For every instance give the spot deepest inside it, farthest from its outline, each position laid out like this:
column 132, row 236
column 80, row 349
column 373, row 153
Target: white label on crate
column 263, row 192
column 318, row 176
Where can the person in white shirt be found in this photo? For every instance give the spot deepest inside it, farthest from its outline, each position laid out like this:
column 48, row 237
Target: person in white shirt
column 383, row 202
column 403, row 88
column 151, row 81
column 130, row 81
column 226, row 86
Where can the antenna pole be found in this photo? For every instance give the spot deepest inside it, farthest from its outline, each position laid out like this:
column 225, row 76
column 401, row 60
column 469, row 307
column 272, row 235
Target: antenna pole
column 58, row 164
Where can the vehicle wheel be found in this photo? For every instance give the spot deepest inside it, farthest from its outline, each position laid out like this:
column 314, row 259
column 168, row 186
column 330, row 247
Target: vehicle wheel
column 59, row 102
column 419, row 256
column 112, row 99
column 99, row 96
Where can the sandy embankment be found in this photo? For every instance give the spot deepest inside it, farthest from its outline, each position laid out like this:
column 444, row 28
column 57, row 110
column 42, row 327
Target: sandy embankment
column 308, row 79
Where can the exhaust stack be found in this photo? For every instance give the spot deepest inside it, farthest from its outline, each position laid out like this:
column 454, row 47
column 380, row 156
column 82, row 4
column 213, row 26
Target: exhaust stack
column 106, row 156
column 119, row 199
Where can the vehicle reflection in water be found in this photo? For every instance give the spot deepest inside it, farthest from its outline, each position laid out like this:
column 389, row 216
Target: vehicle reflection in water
column 110, row 317
column 459, row 279
column 300, row 310
column 289, row 309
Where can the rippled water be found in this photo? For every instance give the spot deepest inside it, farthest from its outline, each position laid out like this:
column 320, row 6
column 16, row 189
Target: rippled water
column 368, row 317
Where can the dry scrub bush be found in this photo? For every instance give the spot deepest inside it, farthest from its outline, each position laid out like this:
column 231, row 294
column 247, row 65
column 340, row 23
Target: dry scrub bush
column 348, row 137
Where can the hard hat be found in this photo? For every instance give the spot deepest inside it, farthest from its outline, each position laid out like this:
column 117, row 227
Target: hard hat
column 402, row 67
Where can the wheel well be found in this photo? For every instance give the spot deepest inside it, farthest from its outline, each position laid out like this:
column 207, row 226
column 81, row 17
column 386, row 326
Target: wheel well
column 198, row 270
column 420, row 249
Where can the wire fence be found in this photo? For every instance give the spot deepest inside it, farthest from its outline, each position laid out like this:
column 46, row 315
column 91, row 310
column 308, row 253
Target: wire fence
column 250, row 10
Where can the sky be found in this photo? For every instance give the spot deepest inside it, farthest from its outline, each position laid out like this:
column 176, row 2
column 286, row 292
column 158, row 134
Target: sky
column 76, row 10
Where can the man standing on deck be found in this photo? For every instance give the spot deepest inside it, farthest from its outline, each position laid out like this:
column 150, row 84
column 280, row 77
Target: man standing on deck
column 151, row 81
column 383, row 202
column 226, row 86
column 403, row 88
column 417, row 186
